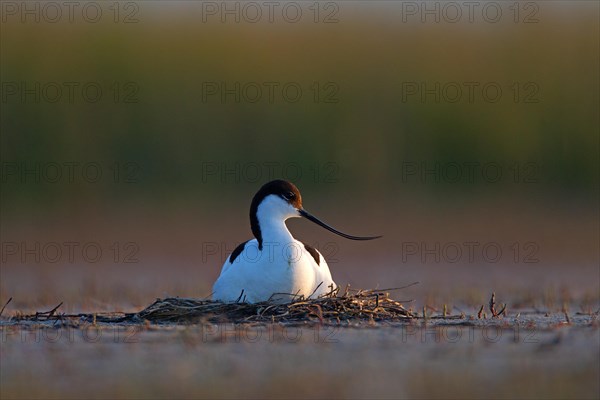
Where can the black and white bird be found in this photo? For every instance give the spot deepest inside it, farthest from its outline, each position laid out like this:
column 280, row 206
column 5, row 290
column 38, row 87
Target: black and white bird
column 274, row 265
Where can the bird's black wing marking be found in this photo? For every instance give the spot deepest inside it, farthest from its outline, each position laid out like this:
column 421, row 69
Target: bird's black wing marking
column 238, row 250
column 313, row 252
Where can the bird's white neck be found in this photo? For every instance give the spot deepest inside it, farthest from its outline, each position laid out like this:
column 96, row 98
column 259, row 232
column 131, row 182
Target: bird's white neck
column 271, row 220
column 274, row 231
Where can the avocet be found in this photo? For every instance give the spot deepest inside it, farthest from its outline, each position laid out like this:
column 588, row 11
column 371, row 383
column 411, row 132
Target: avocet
column 275, row 266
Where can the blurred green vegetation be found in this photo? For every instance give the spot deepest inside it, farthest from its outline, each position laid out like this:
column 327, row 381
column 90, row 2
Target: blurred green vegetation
column 174, row 138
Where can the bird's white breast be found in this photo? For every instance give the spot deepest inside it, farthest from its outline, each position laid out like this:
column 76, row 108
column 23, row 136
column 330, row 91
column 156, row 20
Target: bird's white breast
column 281, row 270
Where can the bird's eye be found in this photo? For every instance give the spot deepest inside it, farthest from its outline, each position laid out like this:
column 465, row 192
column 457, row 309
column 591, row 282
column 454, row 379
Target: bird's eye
column 289, row 195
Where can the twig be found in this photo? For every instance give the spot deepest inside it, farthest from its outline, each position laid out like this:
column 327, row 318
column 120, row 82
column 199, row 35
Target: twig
column 493, row 305
column 317, row 288
column 51, row 312
column 48, row 314
column 239, row 298
column 1, row 311
column 396, row 288
column 503, row 310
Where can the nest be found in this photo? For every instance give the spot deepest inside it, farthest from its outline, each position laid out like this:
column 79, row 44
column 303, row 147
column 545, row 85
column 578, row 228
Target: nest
column 352, row 306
